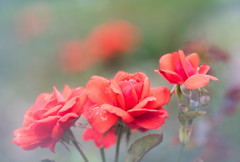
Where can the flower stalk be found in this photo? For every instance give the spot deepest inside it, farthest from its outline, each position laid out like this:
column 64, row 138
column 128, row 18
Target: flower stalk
column 75, row 143
column 102, row 154
column 120, row 128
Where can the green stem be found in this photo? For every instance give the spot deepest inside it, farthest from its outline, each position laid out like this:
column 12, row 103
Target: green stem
column 75, row 143
column 118, row 142
column 102, row 154
column 181, row 152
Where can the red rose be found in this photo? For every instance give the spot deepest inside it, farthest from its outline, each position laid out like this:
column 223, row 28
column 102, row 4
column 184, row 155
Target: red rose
column 113, row 37
column 127, row 96
column 100, row 139
column 52, row 113
column 178, row 69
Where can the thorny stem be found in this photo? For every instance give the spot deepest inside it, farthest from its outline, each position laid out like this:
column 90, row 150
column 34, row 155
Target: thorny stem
column 102, row 154
column 118, row 142
column 75, row 143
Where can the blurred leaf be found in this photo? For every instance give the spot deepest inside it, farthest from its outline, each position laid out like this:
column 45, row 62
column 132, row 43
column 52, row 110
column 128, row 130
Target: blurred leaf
column 184, row 117
column 141, row 146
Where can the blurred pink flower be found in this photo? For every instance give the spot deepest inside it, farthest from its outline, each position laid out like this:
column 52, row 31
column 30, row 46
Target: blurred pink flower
column 111, row 38
column 33, row 21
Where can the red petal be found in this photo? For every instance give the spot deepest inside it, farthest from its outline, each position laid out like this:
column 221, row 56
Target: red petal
column 96, row 90
column 150, row 120
column 183, row 61
column 146, row 88
column 81, row 102
column 44, row 126
column 212, row 77
column 166, row 62
column 41, row 100
column 67, row 91
column 52, row 112
column 193, row 58
column 27, row 139
column 119, row 112
column 57, row 95
column 121, row 75
column 67, row 108
column 171, row 77
column 67, row 120
column 129, row 93
column 119, row 96
column 144, row 102
column 162, row 94
column 139, row 112
column 99, row 139
column 203, row 69
column 198, row 81
column 100, row 119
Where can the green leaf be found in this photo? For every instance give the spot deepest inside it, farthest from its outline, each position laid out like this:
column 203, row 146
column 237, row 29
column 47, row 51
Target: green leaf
column 184, row 117
column 141, row 146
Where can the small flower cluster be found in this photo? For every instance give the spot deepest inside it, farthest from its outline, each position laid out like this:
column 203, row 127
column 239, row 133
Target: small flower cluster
column 125, row 102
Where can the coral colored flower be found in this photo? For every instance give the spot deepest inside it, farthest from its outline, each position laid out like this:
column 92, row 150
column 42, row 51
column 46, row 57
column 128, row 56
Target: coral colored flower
column 178, row 69
column 74, row 57
column 53, row 113
column 127, row 96
column 100, row 139
column 111, row 38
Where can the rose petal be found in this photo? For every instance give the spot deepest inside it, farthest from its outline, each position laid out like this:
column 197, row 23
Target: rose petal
column 100, row 119
column 166, row 62
column 120, row 75
column 139, row 112
column 67, row 108
column 162, row 95
column 57, row 95
column 150, row 120
column 183, row 61
column 99, row 139
column 144, row 102
column 198, row 81
column 52, row 111
column 129, row 93
column 96, row 90
column 193, row 58
column 67, row 91
column 171, row 77
column 119, row 95
column 117, row 111
column 43, row 126
column 146, row 88
column 203, row 69
column 67, row 120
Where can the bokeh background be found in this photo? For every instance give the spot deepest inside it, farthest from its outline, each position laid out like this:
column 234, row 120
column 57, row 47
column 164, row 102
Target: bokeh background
column 34, row 43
